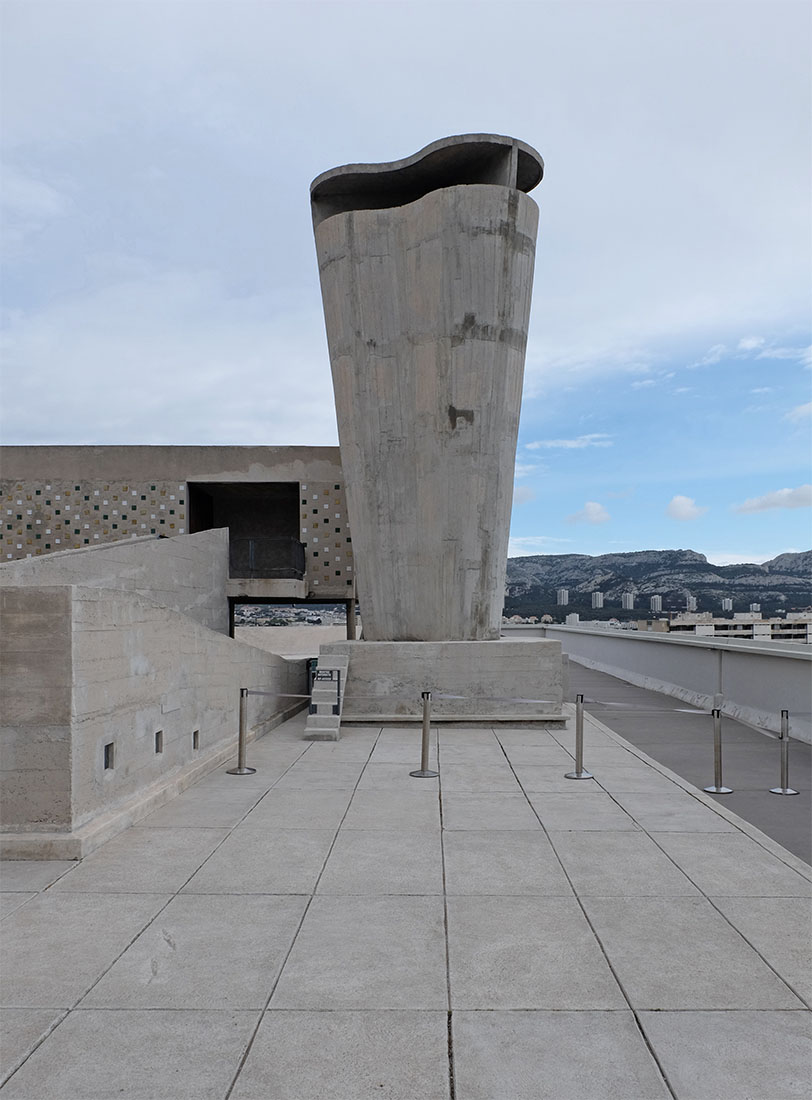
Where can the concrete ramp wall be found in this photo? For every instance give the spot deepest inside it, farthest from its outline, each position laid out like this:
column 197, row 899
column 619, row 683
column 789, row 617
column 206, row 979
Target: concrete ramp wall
column 187, row 573
column 83, row 668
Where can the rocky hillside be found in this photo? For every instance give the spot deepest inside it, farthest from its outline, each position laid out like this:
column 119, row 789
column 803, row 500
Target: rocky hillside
column 783, row 583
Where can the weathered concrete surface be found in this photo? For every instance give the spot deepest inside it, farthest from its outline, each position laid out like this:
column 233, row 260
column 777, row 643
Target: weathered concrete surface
column 474, row 682
column 86, row 667
column 35, row 680
column 426, row 273
column 486, row 982
column 188, row 574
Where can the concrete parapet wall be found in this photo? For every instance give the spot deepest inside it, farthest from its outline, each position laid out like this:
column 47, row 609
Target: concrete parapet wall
column 87, row 667
column 188, row 573
column 756, row 682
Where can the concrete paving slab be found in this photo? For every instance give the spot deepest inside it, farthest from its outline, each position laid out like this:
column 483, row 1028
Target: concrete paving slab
column 318, row 775
column 477, row 777
column 619, row 779
column 296, row 809
column 680, row 953
column 393, row 777
column 367, row 952
column 32, row 874
column 733, row 864
column 588, row 810
column 545, row 755
column 377, row 862
column 142, row 861
column 200, row 809
column 780, row 929
column 206, row 951
column 20, row 1031
column 619, row 864
column 553, row 1056
column 136, row 1056
column 353, row 747
column 503, row 812
column 11, row 902
column 661, row 812
column 58, row 945
column 417, row 807
column 479, row 753
column 546, row 779
column 408, row 754
column 261, row 861
column 514, row 738
column 732, row 1055
column 501, row 863
column 524, row 953
column 397, row 1055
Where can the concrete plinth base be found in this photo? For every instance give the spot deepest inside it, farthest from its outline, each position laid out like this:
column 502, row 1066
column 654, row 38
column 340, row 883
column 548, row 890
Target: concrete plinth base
column 472, row 683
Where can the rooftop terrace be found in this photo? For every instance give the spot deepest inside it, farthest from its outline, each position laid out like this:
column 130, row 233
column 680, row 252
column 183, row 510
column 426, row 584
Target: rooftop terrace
column 332, row 928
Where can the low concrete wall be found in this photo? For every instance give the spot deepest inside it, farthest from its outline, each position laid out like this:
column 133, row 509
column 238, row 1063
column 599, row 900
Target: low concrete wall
column 86, row 667
column 756, row 682
column 187, row 573
column 472, row 682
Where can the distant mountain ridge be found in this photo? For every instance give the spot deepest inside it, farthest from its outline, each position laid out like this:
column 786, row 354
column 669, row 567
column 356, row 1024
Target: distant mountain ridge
column 785, row 581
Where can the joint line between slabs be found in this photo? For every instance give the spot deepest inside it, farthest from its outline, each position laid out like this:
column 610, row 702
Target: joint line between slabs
column 249, row 1045
column 598, row 940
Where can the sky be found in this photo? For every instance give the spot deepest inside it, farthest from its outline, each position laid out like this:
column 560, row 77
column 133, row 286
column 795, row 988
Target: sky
column 160, row 282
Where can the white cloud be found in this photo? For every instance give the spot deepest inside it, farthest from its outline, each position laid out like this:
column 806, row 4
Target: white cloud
column 713, row 356
column 781, row 498
column 643, row 382
column 525, row 469
column 684, row 508
column 750, row 343
column 799, row 355
column 762, row 389
column 534, row 544
column 799, row 413
column 592, row 512
column 594, row 439
column 523, row 493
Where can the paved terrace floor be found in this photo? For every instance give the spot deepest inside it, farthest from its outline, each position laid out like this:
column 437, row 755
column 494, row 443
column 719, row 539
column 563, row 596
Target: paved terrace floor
column 681, row 738
column 332, row 928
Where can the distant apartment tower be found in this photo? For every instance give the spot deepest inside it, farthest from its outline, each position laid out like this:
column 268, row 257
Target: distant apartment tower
column 597, row 600
column 727, row 604
column 562, row 596
column 755, row 607
column 690, row 603
column 572, row 619
column 627, row 601
column 656, row 603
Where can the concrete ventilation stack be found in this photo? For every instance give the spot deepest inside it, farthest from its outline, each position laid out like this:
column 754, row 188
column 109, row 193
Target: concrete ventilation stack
column 426, row 269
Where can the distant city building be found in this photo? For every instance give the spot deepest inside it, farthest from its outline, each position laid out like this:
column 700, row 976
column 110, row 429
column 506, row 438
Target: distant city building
column 627, row 601
column 690, row 603
column 562, row 596
column 755, row 607
column 795, row 627
column 656, row 603
column 572, row 619
column 727, row 604
column 597, row 600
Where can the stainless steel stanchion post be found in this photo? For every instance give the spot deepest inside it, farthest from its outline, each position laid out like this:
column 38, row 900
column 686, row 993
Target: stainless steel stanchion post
column 579, row 772
column 241, row 768
column 718, row 787
column 785, row 787
column 425, row 772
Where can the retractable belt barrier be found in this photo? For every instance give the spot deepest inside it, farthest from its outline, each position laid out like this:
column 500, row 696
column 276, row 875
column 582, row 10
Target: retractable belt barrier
column 580, row 772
